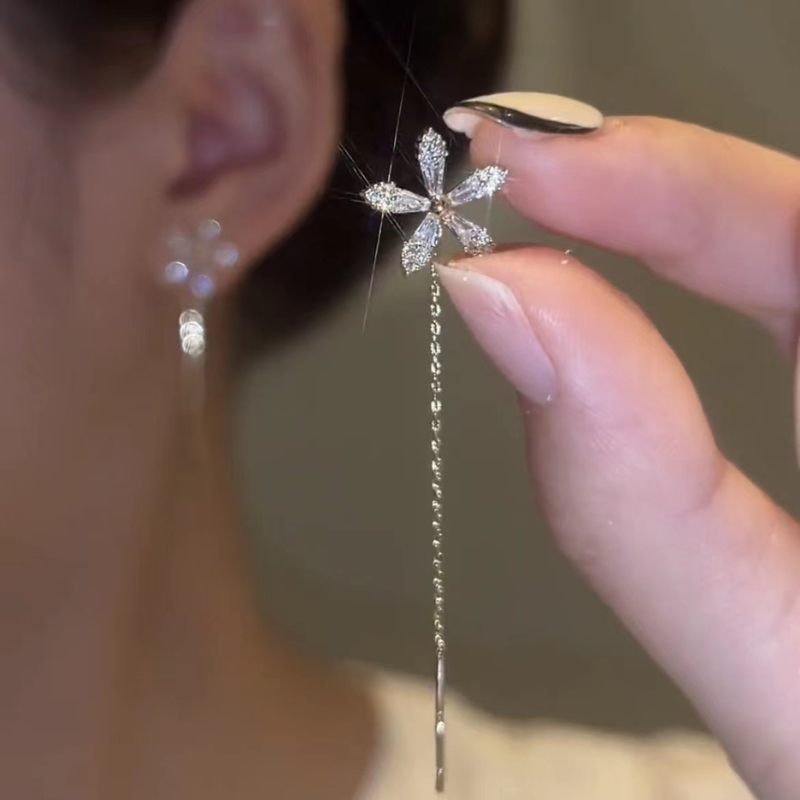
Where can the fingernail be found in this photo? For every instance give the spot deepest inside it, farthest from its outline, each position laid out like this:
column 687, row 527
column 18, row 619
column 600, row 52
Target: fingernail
column 498, row 323
column 529, row 113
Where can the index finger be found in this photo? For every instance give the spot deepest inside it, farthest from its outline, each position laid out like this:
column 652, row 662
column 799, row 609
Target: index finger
column 715, row 214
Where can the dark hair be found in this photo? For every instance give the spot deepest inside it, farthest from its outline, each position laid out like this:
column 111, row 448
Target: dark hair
column 439, row 50
column 91, row 46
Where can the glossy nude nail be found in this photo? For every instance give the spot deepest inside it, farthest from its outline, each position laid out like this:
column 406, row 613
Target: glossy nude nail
column 527, row 113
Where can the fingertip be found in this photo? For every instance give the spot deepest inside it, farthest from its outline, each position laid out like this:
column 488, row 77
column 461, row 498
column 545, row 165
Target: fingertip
column 492, row 311
column 697, row 207
column 567, row 339
column 630, row 186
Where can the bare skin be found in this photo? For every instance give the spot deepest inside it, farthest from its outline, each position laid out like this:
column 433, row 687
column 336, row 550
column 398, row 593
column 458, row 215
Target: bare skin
column 134, row 660
column 698, row 562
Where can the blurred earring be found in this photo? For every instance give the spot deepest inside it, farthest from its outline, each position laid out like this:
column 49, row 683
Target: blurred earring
column 419, row 253
column 196, row 257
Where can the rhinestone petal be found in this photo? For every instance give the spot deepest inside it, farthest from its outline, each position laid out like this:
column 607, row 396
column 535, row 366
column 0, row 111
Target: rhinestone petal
column 432, row 159
column 483, row 183
column 191, row 317
column 194, row 345
column 226, row 256
column 387, row 198
column 193, row 333
column 202, row 287
column 474, row 239
column 176, row 272
column 209, row 231
column 419, row 250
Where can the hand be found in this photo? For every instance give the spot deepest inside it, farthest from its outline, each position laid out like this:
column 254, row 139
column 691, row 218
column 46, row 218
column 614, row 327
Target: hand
column 697, row 561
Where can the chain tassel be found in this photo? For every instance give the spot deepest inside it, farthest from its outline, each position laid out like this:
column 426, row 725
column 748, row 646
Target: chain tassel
column 438, row 519
column 418, row 253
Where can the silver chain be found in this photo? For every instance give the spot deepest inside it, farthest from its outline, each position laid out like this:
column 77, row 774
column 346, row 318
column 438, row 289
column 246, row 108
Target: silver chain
column 438, row 519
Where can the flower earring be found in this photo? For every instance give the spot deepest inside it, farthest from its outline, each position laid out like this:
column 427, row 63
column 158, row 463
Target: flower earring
column 419, row 253
column 196, row 258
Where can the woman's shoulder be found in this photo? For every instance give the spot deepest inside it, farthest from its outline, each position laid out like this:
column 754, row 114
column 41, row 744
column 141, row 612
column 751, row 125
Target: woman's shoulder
column 490, row 758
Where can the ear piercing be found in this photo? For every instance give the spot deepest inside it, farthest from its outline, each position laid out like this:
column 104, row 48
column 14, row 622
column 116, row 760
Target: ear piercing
column 197, row 258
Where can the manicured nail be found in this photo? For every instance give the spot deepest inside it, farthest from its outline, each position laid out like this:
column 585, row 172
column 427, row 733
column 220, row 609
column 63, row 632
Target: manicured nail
column 527, row 113
column 498, row 323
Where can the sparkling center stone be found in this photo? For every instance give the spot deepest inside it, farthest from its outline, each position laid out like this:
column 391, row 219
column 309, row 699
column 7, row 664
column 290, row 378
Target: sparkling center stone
column 441, row 205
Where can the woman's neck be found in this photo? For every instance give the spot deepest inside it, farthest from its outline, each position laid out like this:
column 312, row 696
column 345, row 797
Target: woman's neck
column 134, row 661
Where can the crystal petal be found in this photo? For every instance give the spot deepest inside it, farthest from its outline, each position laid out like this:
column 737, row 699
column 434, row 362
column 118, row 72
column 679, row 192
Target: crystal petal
column 432, row 158
column 419, row 250
column 176, row 272
column 387, row 198
column 475, row 239
column 209, row 231
column 483, row 183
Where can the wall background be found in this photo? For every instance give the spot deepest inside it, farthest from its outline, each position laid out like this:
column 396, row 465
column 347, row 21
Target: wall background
column 334, row 433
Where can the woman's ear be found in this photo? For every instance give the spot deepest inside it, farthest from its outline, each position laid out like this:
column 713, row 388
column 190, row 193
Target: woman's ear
column 237, row 123
column 256, row 92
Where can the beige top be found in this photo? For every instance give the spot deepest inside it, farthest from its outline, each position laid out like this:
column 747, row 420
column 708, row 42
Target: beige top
column 492, row 760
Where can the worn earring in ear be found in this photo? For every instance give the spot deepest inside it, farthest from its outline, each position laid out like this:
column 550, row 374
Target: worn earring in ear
column 419, row 253
column 196, row 259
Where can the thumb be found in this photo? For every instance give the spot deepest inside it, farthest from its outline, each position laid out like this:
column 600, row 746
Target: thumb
column 699, row 564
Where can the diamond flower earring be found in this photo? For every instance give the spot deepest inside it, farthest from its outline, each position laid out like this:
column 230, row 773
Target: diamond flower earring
column 419, row 252
column 197, row 257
